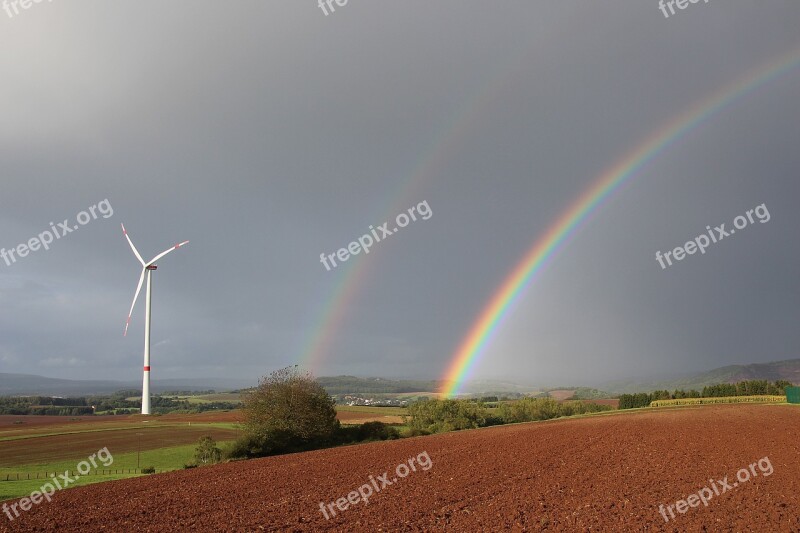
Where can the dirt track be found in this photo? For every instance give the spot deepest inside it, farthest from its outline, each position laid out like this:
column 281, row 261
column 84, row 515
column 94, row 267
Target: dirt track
column 607, row 473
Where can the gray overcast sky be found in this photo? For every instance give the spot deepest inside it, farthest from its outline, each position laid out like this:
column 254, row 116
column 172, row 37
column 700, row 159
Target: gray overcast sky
column 268, row 133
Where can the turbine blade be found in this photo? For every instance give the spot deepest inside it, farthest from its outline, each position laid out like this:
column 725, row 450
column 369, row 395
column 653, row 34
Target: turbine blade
column 162, row 254
column 135, row 296
column 135, row 251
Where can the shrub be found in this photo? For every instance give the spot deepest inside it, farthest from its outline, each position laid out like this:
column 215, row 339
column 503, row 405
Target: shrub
column 446, row 415
column 529, row 410
column 245, row 447
column 347, row 434
column 207, row 452
column 289, row 411
column 415, row 432
column 719, row 400
column 376, row 431
column 632, row 401
column 432, row 415
column 149, row 470
column 533, row 409
column 493, row 420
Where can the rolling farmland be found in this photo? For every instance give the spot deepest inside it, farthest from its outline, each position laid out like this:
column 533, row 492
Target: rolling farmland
column 604, row 473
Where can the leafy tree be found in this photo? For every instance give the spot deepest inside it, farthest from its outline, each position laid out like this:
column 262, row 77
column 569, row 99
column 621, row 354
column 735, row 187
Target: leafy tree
column 207, row 452
column 446, row 415
column 288, row 411
column 632, row 401
column 532, row 409
column 376, row 431
column 660, row 395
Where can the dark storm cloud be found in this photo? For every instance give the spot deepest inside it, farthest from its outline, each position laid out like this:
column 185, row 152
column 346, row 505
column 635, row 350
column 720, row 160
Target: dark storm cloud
column 267, row 134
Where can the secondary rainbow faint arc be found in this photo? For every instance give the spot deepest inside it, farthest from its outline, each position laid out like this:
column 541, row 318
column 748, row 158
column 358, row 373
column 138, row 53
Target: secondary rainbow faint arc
column 547, row 245
column 333, row 312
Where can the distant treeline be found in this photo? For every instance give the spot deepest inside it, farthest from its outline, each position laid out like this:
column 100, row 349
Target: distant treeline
column 44, row 405
column 113, row 404
column 354, row 385
column 435, row 416
column 186, row 392
column 722, row 390
column 585, row 393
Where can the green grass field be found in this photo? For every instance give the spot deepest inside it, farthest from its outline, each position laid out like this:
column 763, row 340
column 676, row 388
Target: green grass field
column 163, row 459
column 40, row 450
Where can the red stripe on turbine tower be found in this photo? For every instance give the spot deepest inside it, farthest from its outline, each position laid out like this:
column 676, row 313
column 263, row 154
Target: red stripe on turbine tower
column 147, row 369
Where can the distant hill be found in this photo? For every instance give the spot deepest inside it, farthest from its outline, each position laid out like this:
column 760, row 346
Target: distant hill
column 355, row 385
column 28, row 384
column 576, row 393
column 780, row 370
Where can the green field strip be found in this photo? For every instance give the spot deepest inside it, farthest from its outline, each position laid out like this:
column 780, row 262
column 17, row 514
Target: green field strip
column 162, row 459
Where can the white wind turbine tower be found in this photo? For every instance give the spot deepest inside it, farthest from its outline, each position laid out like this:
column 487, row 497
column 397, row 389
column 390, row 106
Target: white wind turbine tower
column 147, row 268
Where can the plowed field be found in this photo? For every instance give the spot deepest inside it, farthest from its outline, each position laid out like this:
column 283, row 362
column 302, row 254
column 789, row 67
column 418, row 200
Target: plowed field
column 601, row 473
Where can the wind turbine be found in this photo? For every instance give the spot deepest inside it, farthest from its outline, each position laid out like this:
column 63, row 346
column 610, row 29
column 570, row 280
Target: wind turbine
column 147, row 269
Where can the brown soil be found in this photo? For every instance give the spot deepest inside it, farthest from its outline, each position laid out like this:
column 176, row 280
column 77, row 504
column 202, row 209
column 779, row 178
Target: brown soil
column 29, row 421
column 203, row 418
column 208, row 417
column 603, row 473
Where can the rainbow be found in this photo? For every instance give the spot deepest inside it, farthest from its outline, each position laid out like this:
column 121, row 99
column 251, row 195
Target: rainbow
column 546, row 247
column 350, row 277
column 332, row 314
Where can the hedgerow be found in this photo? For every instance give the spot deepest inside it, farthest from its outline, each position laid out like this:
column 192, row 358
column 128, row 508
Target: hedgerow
column 729, row 399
